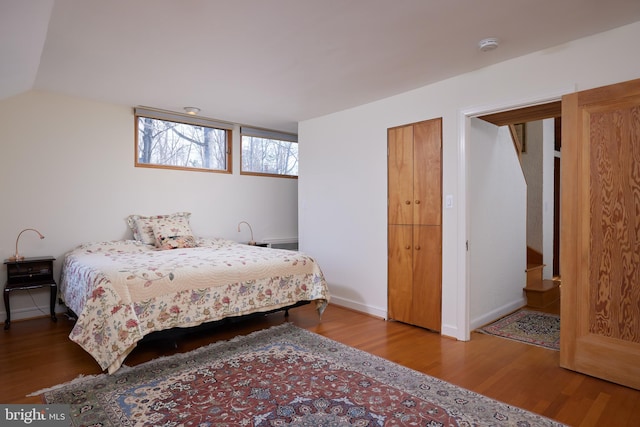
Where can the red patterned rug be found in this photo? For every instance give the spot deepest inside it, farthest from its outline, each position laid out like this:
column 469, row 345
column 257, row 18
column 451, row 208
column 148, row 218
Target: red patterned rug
column 531, row 327
column 282, row 376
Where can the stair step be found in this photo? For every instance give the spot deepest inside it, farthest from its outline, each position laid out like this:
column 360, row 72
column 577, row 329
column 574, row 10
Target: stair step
column 542, row 286
column 542, row 294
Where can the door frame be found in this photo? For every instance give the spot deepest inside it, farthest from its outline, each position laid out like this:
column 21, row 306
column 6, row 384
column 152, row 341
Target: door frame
column 463, row 331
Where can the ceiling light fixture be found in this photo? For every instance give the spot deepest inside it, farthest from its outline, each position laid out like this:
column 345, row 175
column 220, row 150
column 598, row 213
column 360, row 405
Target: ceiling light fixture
column 192, row 110
column 487, row 45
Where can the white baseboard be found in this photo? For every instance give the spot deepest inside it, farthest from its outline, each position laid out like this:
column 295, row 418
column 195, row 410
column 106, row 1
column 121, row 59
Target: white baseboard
column 450, row 331
column 30, row 312
column 363, row 308
column 280, row 240
column 497, row 313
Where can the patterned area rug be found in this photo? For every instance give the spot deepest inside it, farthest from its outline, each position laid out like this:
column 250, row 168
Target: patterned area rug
column 531, row 327
column 282, row 376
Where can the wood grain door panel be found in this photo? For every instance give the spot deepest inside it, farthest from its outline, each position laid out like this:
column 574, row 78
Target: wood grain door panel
column 400, row 265
column 427, row 158
column 600, row 233
column 400, row 175
column 427, row 273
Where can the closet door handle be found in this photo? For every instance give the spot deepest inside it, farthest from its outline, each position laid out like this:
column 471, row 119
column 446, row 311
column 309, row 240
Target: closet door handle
column 408, row 202
column 417, row 247
column 407, row 247
column 417, row 202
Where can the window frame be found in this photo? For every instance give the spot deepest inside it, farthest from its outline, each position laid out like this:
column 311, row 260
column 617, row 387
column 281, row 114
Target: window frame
column 269, row 135
column 173, row 117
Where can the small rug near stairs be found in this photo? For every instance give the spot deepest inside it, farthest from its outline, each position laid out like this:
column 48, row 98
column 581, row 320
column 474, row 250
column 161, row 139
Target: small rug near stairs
column 531, row 327
column 281, row 376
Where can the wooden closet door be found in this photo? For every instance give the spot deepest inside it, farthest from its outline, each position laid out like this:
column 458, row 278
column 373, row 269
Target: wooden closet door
column 415, row 275
column 414, row 218
column 427, row 277
column 400, row 175
column 427, row 172
column 400, row 283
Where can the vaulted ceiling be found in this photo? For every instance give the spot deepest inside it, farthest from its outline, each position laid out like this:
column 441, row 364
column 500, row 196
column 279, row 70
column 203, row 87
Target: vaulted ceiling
column 272, row 63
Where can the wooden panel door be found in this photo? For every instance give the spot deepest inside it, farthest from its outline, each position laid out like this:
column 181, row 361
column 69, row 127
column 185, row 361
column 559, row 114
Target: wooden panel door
column 415, row 271
column 400, row 175
column 415, row 200
column 600, row 233
column 427, row 273
column 400, row 286
column 427, row 171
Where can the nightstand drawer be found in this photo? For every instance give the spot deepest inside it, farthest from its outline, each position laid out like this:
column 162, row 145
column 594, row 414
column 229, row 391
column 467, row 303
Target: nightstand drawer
column 29, row 273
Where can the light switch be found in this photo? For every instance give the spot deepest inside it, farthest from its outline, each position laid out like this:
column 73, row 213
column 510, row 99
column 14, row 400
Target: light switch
column 448, row 201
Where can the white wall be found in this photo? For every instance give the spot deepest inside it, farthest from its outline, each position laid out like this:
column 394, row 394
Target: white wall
column 343, row 183
column 532, row 166
column 548, row 154
column 498, row 224
column 538, row 168
column 67, row 169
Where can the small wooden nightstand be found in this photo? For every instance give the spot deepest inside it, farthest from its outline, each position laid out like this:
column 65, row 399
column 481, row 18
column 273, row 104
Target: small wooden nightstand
column 29, row 273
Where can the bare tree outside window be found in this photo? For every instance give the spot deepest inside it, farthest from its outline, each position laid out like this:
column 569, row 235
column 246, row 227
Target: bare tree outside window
column 266, row 156
column 173, row 144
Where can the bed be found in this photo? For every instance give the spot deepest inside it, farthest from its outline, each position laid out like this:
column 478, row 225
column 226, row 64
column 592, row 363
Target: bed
column 121, row 291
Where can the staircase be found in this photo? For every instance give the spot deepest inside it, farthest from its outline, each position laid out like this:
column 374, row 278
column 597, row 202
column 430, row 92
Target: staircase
column 540, row 292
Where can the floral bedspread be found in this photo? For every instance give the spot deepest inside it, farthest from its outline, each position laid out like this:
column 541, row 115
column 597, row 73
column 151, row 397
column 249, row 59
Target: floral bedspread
column 124, row 290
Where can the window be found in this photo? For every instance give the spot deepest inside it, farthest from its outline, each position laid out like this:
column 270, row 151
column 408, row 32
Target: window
column 174, row 141
column 271, row 153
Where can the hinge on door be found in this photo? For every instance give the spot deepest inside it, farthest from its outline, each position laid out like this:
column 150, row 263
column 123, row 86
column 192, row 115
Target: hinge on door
column 467, row 243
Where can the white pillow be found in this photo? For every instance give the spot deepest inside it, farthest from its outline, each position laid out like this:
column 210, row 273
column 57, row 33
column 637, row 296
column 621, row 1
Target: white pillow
column 142, row 226
column 173, row 233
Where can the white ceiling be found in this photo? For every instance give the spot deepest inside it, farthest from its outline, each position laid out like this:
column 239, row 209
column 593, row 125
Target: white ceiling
column 272, row 63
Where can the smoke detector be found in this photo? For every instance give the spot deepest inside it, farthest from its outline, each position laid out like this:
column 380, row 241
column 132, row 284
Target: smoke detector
column 486, row 45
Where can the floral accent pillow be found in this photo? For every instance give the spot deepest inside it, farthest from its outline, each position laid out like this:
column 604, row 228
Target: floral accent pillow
column 142, row 226
column 173, row 233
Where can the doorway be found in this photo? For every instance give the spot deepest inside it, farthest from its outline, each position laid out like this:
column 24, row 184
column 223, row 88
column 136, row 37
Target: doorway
column 489, row 233
column 585, row 336
column 525, row 144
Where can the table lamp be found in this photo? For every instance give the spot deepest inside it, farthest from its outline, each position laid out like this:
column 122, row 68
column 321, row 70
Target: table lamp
column 251, row 242
column 17, row 256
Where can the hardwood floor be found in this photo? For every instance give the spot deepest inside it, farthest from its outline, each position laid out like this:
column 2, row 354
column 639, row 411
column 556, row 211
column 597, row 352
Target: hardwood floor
column 36, row 354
